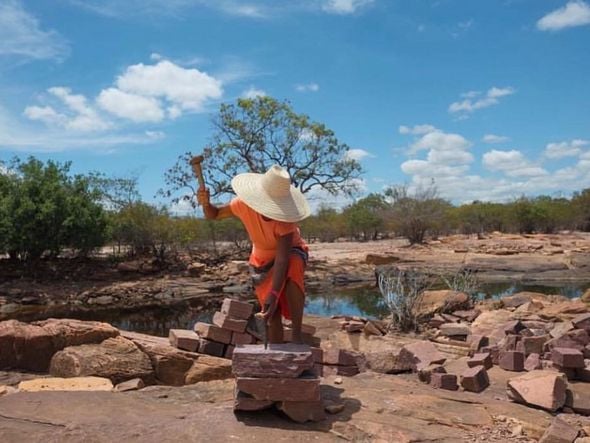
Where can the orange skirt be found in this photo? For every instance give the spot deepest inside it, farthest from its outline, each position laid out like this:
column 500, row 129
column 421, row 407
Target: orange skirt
column 295, row 273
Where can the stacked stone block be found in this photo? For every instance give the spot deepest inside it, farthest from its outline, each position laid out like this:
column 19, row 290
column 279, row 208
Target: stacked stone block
column 280, row 376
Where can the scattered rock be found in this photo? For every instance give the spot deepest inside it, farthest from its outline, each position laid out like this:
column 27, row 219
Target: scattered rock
column 184, row 339
column 236, row 309
column 226, row 322
column 425, row 374
column 207, row 368
column 483, row 359
column 420, row 355
column 130, row 385
column 567, row 358
column 334, row 408
column 511, row 361
column 542, row 388
column 303, row 411
column 442, row 301
column 455, row 329
column 578, row 398
column 582, row 321
column 305, row 388
column 279, row 360
column 444, row 381
column 559, row 432
column 210, row 332
column 475, row 379
column 245, row 402
column 532, row 362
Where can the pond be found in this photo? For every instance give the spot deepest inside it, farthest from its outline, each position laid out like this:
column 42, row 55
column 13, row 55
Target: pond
column 364, row 302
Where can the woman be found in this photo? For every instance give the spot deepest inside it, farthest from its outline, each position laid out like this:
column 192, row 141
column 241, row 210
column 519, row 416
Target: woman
column 269, row 207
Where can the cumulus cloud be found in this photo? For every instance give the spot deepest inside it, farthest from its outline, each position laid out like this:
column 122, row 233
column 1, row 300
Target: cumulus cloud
column 477, row 100
column 75, row 114
column 183, row 89
column 416, row 130
column 574, row 13
column 21, row 35
column 358, row 154
column 134, row 107
column 308, row 87
column 493, row 139
column 344, row 6
column 512, row 163
column 565, row 149
column 441, row 141
column 253, row 92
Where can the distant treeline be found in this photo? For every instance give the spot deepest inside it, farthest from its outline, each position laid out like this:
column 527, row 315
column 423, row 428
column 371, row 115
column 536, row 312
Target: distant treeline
column 45, row 210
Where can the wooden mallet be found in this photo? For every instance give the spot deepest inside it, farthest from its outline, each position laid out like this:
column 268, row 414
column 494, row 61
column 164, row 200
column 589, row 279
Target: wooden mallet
column 197, row 170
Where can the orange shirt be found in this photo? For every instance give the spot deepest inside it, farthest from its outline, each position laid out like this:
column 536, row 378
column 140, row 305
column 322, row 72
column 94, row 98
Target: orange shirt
column 264, row 234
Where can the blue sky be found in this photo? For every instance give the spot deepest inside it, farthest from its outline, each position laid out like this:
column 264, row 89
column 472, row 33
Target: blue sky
column 490, row 99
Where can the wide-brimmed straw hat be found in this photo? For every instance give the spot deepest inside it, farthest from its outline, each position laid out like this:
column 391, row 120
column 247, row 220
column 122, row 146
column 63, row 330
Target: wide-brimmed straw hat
column 272, row 195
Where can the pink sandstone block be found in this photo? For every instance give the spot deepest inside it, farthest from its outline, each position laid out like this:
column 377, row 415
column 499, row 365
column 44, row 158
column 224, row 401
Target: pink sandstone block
column 444, row 381
column 184, row 339
column 475, row 379
column 286, row 360
column 236, row 309
column 304, row 388
column 232, row 324
column 213, row 332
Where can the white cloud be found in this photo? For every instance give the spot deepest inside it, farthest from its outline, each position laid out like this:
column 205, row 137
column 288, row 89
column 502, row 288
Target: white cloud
column 309, row 87
column 76, row 114
column 186, row 89
column 358, row 154
column 134, row 107
column 417, row 129
column 493, row 139
column 574, row 13
column 155, row 135
column 477, row 101
column 439, row 140
column 253, row 92
column 565, row 149
column 21, row 35
column 512, row 163
column 344, row 6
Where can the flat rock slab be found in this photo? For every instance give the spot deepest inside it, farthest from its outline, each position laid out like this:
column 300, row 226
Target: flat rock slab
column 184, row 339
column 455, row 330
column 212, row 332
column 236, row 309
column 304, row 388
column 542, row 388
column 232, row 324
column 578, row 398
column 66, row 384
column 286, row 360
column 567, row 358
column 245, row 402
column 421, row 354
column 559, row 432
column 303, row 411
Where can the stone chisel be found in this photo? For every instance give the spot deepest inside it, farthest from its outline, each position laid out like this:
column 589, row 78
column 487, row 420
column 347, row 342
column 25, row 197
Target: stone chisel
column 259, row 316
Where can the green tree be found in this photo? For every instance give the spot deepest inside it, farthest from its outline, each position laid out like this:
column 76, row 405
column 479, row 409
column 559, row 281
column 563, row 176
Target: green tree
column 366, row 217
column 581, row 209
column 45, row 210
column 252, row 135
column 327, row 225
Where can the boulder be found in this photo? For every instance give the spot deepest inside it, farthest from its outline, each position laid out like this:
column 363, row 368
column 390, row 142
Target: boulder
column 66, row 384
column 567, row 358
column 455, row 329
column 532, row 362
column 532, row 345
column 207, row 368
column 564, row 309
column 475, row 379
column 582, row 321
column 211, row 348
column 117, row 359
column 236, row 309
column 561, row 328
column 170, row 364
column 441, row 380
column 69, row 332
column 421, row 354
column 482, row 359
column 388, row 362
column 559, row 432
column 516, row 300
column 444, row 300
column 130, row 385
column 184, row 339
column 511, row 361
column 196, row 269
column 488, row 321
column 541, row 388
column 574, row 339
column 342, row 357
column 425, row 374
column 287, row 360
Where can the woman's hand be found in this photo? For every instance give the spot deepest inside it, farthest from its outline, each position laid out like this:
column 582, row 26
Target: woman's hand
column 270, row 306
column 203, row 197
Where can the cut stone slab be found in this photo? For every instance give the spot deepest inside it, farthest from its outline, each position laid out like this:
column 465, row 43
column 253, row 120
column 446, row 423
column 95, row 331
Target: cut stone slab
column 475, row 379
column 354, row 326
column 455, row 330
column 211, row 348
column 226, row 322
column 516, row 300
column 482, row 359
column 184, row 339
column 530, row 345
column 444, row 381
column 511, row 361
column 303, row 411
column 236, row 309
column 578, row 398
column 207, row 368
column 388, row 362
column 576, row 339
column 66, row 384
column 559, row 432
column 245, row 402
column 477, row 341
column 567, row 358
column 304, row 388
column 286, row 360
column 421, row 354
column 214, row 333
column 533, row 362
column 542, row 388
column 241, row 339
column 117, row 359
column 130, row 385
column 582, row 321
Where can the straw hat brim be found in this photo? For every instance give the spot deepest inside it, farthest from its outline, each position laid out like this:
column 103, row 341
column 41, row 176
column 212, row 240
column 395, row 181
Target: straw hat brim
column 290, row 208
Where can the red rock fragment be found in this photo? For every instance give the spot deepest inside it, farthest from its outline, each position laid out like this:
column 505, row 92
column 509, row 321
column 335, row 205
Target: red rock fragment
column 340, row 357
column 233, row 324
column 425, row 374
column 354, row 326
column 444, row 381
column 513, row 327
column 241, row 339
column 476, row 342
column 286, row 360
column 236, row 309
column 245, row 402
column 483, row 359
column 567, row 358
column 475, row 379
column 211, row 348
column 578, row 398
column 511, row 361
column 530, row 345
column 532, row 362
column 184, row 339
column 582, row 321
column 212, row 332
column 559, row 432
column 541, row 388
column 421, row 354
column 346, row 371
